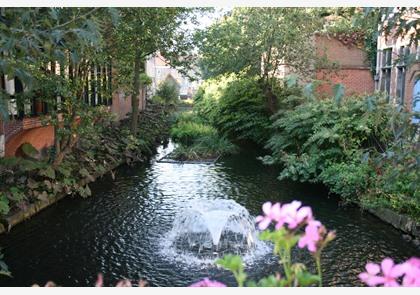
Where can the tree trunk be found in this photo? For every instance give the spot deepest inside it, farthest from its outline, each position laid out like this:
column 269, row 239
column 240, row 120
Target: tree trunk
column 135, row 95
column 271, row 99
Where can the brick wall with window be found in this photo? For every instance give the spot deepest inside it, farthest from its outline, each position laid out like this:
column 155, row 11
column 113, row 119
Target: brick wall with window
column 397, row 71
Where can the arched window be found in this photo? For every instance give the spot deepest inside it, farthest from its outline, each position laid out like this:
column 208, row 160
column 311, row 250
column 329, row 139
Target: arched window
column 416, row 101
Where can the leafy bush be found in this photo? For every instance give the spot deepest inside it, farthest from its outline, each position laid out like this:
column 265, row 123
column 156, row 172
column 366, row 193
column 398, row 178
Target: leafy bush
column 208, row 147
column 242, row 111
column 198, row 140
column 238, row 106
column 187, row 132
column 362, row 148
column 26, row 181
column 168, row 92
column 349, row 180
column 318, row 133
column 206, row 100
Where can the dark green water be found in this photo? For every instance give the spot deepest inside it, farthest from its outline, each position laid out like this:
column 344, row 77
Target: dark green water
column 119, row 230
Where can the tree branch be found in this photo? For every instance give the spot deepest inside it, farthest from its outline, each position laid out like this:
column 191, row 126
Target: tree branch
column 76, row 18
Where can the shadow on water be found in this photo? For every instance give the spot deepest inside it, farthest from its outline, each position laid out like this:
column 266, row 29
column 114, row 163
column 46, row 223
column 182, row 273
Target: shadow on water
column 120, row 230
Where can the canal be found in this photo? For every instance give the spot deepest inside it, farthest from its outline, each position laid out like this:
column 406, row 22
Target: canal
column 120, row 230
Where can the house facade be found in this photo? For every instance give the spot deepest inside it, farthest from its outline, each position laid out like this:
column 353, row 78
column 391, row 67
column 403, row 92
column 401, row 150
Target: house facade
column 24, row 123
column 159, row 70
column 342, row 63
column 398, row 71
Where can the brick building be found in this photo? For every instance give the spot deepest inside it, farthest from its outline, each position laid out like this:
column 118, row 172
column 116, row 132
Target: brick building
column 353, row 70
column 345, row 64
column 24, row 124
column 398, row 72
column 159, row 70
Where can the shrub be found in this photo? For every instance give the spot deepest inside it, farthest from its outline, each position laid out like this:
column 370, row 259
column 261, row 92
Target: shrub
column 362, row 148
column 242, row 111
column 168, row 92
column 349, row 180
column 208, row 147
column 317, row 133
column 187, row 132
column 238, row 107
column 198, row 140
column 206, row 100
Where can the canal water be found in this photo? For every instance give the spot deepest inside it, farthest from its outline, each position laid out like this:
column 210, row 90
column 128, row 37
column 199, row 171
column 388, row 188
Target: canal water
column 120, row 230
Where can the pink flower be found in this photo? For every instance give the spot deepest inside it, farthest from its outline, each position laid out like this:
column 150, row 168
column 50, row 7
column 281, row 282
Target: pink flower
column 99, row 280
column 271, row 213
column 311, row 236
column 123, row 283
column 208, row 283
column 370, row 277
column 289, row 214
column 390, row 271
column 293, row 216
column 412, row 272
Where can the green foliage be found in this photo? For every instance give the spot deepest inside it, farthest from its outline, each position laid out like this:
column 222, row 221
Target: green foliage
column 187, row 132
column 295, row 274
column 349, row 180
column 362, row 148
column 207, row 147
column 168, row 91
column 239, row 41
column 29, row 150
column 26, row 181
column 318, row 133
column 238, row 107
column 397, row 22
column 235, row 265
column 3, row 267
column 242, row 111
column 4, row 204
column 198, row 140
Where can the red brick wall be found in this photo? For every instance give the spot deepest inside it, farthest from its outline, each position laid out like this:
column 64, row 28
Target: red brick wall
column 40, row 138
column 353, row 71
column 355, row 81
column 121, row 104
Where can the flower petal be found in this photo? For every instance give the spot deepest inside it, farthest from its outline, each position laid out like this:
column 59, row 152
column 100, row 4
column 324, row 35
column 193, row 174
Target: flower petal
column 373, row 268
column 386, row 266
column 266, row 208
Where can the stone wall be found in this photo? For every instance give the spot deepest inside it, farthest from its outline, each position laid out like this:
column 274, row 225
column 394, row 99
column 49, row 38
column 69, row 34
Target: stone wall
column 401, row 222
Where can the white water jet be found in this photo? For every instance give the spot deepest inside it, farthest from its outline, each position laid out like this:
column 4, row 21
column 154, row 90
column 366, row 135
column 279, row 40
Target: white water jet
column 213, row 228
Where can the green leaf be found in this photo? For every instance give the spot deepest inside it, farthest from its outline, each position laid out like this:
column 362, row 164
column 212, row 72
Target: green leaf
column 291, row 80
column 29, row 150
column 307, row 279
column 4, row 204
column 338, row 91
column 48, row 172
column 308, row 91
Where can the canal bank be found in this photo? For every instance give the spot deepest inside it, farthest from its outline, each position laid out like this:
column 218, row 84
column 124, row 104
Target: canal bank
column 35, row 185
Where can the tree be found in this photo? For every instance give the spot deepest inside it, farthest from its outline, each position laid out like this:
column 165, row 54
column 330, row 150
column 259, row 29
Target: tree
column 258, row 41
column 38, row 43
column 168, row 91
column 398, row 22
column 143, row 32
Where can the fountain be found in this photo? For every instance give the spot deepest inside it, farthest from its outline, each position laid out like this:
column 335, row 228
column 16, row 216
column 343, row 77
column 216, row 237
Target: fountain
column 212, row 228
